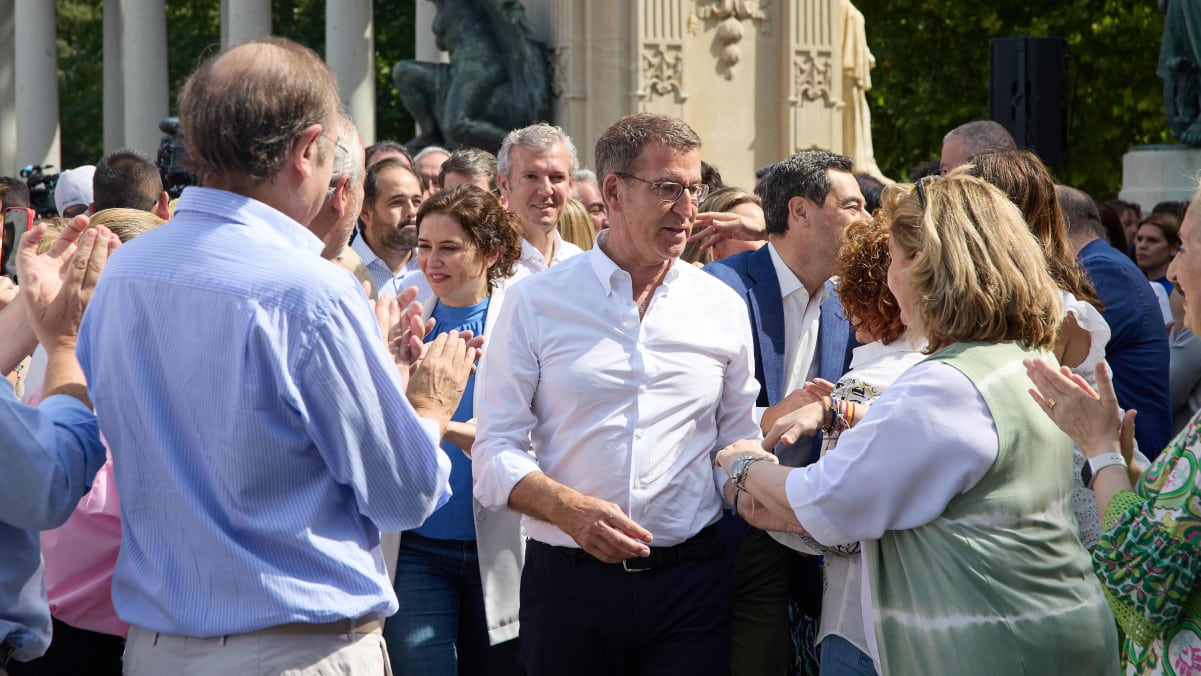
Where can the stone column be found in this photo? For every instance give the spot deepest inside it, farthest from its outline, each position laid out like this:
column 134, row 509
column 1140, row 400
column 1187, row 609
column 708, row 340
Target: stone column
column 36, row 65
column 8, row 92
column 812, row 77
column 144, row 72
column 244, row 20
column 114, row 93
column 350, row 51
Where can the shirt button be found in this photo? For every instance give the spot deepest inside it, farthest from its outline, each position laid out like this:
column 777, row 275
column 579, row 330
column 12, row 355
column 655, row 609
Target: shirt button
column 637, row 484
column 638, row 434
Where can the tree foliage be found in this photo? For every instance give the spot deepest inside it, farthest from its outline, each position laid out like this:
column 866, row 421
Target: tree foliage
column 932, row 74
column 193, row 33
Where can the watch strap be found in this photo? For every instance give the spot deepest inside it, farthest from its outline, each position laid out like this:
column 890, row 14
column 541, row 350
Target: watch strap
column 1093, row 465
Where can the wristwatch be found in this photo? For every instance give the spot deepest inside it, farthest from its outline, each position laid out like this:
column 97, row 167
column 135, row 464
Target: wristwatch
column 1100, row 462
column 741, row 466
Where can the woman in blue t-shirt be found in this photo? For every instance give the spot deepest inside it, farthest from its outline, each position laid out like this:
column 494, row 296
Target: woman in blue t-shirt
column 467, row 244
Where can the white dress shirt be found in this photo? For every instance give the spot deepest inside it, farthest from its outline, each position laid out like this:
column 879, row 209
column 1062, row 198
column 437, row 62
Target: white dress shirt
column 628, row 411
column 532, row 260
column 802, row 319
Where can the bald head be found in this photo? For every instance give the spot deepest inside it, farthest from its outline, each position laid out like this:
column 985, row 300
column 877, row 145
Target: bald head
column 1080, row 212
column 970, row 139
column 242, row 110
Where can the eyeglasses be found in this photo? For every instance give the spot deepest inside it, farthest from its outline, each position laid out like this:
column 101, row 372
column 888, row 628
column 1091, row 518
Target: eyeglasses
column 920, row 188
column 670, row 191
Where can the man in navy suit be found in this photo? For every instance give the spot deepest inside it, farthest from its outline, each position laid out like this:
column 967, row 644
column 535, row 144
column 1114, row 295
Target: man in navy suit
column 800, row 333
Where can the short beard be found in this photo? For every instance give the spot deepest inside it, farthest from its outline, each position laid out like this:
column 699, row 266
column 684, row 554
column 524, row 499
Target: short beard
column 401, row 239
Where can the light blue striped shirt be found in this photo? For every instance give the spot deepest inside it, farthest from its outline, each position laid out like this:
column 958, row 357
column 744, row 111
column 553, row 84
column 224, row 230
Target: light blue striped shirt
column 260, row 435
column 48, row 456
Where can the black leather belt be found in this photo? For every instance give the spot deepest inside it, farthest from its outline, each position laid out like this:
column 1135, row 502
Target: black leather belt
column 704, row 545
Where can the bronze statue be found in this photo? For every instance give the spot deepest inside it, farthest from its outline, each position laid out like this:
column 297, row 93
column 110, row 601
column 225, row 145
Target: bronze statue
column 496, row 80
column 1180, row 68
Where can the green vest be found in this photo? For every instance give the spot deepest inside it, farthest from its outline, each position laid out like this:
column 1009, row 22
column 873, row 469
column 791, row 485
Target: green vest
column 999, row 583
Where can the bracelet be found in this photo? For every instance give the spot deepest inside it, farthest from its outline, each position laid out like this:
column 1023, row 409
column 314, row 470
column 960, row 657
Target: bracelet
column 737, row 492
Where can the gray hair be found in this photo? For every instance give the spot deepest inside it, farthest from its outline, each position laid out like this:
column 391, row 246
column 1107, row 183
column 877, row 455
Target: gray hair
column 472, row 163
column 1080, row 211
column 346, row 160
column 617, row 149
column 805, row 174
column 586, row 175
column 539, row 136
column 980, row 136
column 429, row 150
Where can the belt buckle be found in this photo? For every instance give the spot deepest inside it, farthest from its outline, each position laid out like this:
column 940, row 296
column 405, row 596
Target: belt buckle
column 637, row 567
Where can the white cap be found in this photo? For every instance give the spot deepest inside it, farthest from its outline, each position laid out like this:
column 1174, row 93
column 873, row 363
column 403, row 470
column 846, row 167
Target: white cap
column 74, row 187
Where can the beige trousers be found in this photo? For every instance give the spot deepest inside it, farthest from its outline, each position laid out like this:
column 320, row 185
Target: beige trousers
column 149, row 653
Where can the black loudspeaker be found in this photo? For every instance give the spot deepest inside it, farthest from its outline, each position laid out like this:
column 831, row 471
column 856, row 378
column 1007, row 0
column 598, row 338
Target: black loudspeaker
column 1029, row 94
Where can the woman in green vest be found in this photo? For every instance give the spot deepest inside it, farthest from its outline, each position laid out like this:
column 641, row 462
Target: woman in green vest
column 1149, row 556
column 958, row 490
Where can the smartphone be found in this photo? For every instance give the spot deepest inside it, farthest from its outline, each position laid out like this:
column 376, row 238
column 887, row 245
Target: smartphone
column 17, row 222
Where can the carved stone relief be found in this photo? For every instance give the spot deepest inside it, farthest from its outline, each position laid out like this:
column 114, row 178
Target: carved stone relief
column 813, row 77
column 730, row 14
column 663, row 69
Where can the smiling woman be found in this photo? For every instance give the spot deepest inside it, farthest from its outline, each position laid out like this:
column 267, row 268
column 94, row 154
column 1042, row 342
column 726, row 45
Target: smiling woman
column 467, row 243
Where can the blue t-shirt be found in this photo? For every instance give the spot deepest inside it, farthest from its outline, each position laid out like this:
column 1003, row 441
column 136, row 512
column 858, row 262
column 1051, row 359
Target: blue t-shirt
column 454, row 520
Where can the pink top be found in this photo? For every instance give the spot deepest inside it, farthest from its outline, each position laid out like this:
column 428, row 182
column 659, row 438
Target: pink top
column 80, row 556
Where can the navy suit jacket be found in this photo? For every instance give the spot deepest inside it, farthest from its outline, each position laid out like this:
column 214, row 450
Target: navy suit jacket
column 753, row 276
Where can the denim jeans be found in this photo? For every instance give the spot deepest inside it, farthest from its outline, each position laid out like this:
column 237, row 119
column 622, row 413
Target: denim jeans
column 840, row 657
column 440, row 629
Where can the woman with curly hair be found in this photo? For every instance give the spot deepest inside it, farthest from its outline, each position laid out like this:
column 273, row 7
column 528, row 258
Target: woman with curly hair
column 449, row 620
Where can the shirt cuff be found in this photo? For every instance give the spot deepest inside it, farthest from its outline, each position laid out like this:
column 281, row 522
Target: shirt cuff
column 812, row 518
column 495, row 474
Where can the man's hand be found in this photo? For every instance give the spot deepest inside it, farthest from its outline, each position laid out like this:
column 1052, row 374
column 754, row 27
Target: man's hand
column 805, row 421
column 597, row 526
column 792, row 401
column 739, row 449
column 59, row 283
column 438, row 381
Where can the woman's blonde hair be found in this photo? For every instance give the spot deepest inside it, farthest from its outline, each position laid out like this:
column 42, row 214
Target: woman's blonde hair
column 978, row 274
column 124, row 223
column 575, row 225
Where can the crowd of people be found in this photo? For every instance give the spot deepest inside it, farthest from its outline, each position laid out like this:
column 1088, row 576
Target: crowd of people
column 346, row 410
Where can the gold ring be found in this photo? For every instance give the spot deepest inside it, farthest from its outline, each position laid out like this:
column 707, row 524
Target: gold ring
column 1050, row 404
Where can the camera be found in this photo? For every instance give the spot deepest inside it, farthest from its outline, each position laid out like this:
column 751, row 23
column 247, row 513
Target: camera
column 171, row 157
column 41, row 179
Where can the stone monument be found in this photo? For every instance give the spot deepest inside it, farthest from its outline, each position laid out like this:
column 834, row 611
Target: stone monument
column 1155, row 173
column 757, row 79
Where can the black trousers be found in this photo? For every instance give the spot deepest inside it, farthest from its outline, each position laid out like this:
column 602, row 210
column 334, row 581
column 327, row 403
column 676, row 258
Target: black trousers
column 586, row 618
column 75, row 651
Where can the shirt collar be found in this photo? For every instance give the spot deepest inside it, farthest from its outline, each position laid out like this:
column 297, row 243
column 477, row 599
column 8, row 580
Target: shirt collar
column 531, row 252
column 606, row 268
column 197, row 201
column 789, row 284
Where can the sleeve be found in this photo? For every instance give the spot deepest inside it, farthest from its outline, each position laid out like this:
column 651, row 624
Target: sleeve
column 49, row 454
column 1149, row 556
column 736, row 418
column 1184, row 367
column 927, row 439
column 505, row 387
column 367, row 433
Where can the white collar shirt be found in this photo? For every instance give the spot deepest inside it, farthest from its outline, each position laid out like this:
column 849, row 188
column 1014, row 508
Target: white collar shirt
column 533, row 261
column 628, row 411
column 802, row 319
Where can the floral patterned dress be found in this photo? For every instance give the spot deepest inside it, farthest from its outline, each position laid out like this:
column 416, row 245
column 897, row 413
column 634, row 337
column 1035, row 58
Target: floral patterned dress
column 1149, row 559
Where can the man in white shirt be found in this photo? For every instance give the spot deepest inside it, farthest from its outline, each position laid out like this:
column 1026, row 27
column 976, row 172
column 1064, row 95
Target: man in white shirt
column 392, row 193
column 800, row 333
column 534, row 170
column 625, row 371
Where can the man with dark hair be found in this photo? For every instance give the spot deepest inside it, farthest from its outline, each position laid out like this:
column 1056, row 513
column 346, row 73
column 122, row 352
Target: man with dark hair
column 800, row 333
column 1137, row 351
column 13, row 192
column 392, row 193
column 127, row 179
column 626, row 370
column 970, row 139
column 469, row 165
column 264, row 439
